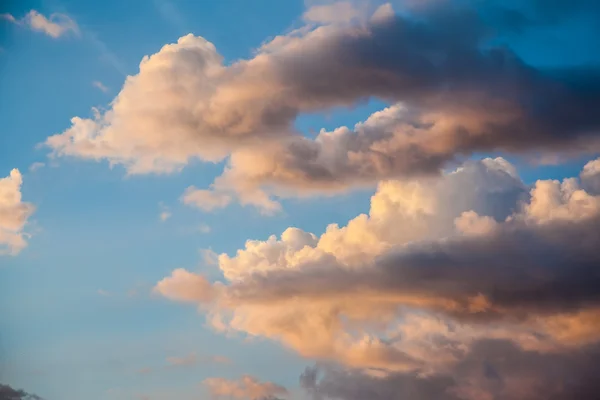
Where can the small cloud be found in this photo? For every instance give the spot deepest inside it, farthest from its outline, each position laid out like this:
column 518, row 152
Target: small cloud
column 165, row 213
column 8, row 17
column 102, row 292
column 145, row 371
column 186, row 361
column 35, row 166
column 54, row 26
column 100, row 85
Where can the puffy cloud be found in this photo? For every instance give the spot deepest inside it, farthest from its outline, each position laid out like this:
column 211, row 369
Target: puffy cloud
column 590, row 176
column 14, row 214
column 437, row 264
column 55, row 26
column 452, row 96
column 401, row 211
column 185, row 286
column 248, row 387
column 554, row 200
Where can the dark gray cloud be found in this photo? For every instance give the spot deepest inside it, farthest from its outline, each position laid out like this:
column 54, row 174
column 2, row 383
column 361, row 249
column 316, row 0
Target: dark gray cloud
column 493, row 369
column 8, row 393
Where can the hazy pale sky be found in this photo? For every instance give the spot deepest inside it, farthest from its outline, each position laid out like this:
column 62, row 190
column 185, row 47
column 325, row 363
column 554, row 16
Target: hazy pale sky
column 266, row 199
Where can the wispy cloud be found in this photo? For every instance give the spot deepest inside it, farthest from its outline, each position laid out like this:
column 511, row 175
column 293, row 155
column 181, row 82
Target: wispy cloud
column 105, row 53
column 36, row 165
column 100, row 85
column 185, row 361
column 55, row 26
column 171, row 14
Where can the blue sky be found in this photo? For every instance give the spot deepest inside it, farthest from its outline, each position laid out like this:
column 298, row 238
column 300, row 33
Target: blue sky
column 78, row 315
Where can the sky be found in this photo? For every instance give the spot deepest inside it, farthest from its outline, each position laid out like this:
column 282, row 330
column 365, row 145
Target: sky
column 305, row 200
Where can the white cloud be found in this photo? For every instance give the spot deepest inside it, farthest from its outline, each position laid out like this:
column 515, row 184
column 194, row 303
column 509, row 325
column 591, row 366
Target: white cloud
column 36, row 165
column 205, row 199
column 14, row 214
column 55, row 26
column 183, row 286
column 185, row 104
column 437, row 265
column 100, row 86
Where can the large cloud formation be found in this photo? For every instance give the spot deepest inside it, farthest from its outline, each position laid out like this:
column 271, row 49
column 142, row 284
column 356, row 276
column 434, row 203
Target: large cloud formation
column 451, row 93
column 438, row 268
column 14, row 213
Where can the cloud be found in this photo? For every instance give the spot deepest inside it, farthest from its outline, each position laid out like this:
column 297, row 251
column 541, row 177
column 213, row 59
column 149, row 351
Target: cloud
column 100, row 86
column 445, row 261
column 186, row 361
column 450, row 96
column 247, row 387
column 7, row 392
column 338, row 12
column 493, row 369
column 55, row 26
column 186, row 287
column 165, row 212
column 205, row 199
column 590, row 176
column 36, row 165
column 193, row 359
column 14, row 214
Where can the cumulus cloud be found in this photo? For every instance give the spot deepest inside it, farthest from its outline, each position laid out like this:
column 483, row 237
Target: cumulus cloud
column 590, row 176
column 246, row 388
column 14, row 213
column 55, row 26
column 445, row 261
column 451, row 95
column 185, row 286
